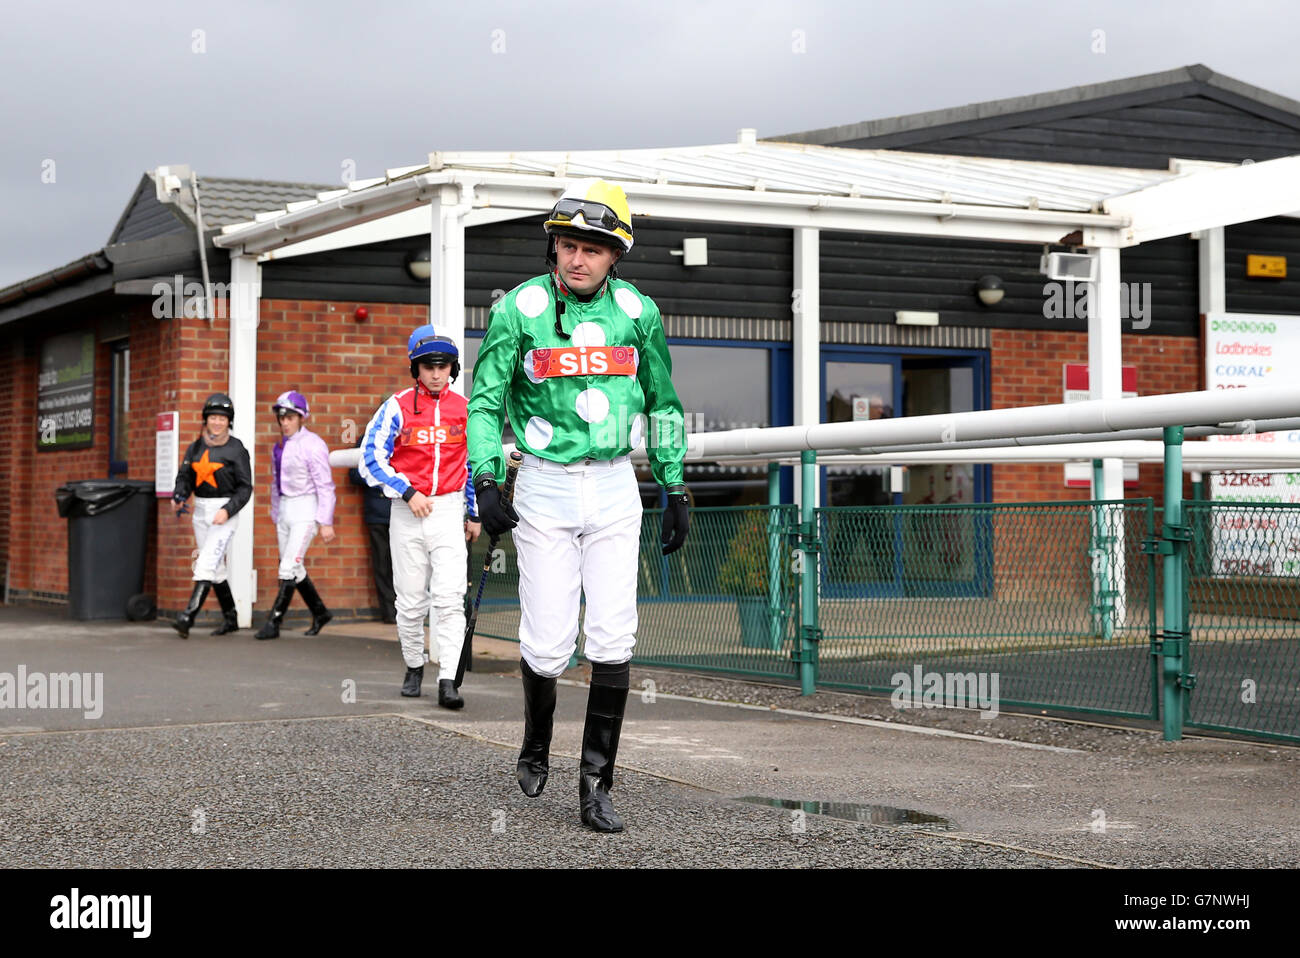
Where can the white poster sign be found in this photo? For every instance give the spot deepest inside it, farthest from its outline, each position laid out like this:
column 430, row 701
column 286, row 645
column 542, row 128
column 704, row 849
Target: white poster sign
column 1244, row 350
column 167, row 454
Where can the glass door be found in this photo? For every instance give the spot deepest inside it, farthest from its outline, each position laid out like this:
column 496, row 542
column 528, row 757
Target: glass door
column 857, row 390
column 940, row 546
column 861, row 547
column 891, row 552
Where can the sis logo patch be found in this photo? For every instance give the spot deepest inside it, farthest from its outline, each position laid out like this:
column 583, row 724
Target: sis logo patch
column 433, row 435
column 541, row 364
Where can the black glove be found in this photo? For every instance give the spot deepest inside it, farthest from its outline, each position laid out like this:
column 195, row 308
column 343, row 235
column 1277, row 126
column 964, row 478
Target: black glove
column 497, row 515
column 677, row 519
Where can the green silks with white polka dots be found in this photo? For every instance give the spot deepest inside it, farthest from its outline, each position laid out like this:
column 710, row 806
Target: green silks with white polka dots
column 596, row 395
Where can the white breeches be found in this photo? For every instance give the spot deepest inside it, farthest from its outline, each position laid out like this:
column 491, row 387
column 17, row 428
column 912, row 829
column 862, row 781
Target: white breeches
column 212, row 539
column 579, row 533
column 295, row 530
column 429, row 568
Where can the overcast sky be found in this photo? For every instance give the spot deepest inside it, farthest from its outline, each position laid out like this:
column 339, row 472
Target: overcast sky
column 294, row 91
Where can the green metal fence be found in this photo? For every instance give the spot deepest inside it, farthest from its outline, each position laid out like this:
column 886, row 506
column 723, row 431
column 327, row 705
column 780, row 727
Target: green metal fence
column 1243, row 593
column 726, row 601
column 1065, row 604
column 1054, row 599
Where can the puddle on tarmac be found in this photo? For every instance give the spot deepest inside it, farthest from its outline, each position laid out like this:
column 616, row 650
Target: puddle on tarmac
column 853, row 812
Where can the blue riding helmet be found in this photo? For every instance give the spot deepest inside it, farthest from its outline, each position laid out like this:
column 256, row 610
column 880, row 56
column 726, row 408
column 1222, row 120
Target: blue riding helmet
column 424, row 342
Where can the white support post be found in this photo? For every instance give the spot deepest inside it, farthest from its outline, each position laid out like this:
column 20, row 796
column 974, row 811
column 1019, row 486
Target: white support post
column 1105, row 357
column 806, row 336
column 1210, row 272
column 1105, row 381
column 244, row 305
column 447, row 259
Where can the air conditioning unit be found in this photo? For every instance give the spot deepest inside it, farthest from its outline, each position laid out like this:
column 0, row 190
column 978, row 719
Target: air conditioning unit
column 1076, row 267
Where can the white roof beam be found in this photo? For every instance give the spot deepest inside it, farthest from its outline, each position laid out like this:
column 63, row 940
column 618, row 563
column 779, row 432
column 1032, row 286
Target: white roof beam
column 1210, row 198
column 342, row 209
column 412, row 222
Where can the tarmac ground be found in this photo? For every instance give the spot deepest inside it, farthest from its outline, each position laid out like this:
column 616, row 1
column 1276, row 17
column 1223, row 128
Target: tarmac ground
column 230, row 752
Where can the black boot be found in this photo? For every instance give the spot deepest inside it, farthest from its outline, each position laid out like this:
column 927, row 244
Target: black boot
column 319, row 614
column 411, row 685
column 271, row 627
column 185, row 620
column 606, row 703
column 229, row 620
column 539, row 714
column 448, row 697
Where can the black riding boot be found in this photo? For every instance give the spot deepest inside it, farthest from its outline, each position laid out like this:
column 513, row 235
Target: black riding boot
column 319, row 614
column 606, row 703
column 271, row 627
column 539, row 714
column 448, row 697
column 185, row 620
column 229, row 619
column 411, row 684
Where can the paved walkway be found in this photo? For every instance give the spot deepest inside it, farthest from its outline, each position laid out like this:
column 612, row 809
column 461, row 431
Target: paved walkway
column 225, row 751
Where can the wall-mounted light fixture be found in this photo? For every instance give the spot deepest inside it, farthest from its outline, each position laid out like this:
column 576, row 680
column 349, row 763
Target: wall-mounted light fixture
column 990, row 290
column 419, row 265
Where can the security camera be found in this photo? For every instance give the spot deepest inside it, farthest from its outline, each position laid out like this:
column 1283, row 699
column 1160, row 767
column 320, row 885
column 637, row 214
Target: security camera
column 170, row 182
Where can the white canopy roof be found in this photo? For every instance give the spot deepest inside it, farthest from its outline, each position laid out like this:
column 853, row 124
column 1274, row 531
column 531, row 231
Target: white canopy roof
column 800, row 185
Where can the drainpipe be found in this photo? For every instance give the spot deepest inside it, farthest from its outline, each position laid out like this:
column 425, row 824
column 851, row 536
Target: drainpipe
column 203, row 253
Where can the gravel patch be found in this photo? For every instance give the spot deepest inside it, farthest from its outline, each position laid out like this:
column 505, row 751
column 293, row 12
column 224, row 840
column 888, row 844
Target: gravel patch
column 381, row 791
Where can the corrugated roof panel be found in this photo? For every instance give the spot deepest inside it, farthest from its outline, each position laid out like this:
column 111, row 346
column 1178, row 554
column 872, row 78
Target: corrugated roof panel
column 816, row 170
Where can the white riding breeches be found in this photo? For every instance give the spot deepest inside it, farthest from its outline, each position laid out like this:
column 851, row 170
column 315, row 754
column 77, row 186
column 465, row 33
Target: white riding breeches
column 579, row 533
column 295, row 530
column 429, row 569
column 212, row 540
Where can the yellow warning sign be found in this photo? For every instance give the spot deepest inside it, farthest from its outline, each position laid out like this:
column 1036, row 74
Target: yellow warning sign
column 1273, row 267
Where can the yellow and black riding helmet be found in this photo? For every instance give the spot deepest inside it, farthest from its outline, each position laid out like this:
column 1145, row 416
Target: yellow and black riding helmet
column 594, row 210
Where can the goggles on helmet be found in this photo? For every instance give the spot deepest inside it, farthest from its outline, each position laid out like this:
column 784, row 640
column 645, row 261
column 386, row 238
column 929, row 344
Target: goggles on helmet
column 595, row 214
column 445, row 347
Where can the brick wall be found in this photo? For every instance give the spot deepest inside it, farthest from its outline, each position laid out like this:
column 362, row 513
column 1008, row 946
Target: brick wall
column 152, row 378
column 10, row 361
column 345, row 369
column 37, row 538
column 1027, row 371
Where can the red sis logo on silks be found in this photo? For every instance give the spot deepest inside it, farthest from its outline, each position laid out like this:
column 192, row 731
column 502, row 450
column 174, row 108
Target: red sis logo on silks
column 551, row 362
column 433, row 435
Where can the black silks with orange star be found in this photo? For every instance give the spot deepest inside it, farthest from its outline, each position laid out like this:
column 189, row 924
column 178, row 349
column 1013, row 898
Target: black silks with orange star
column 204, row 470
column 213, row 472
